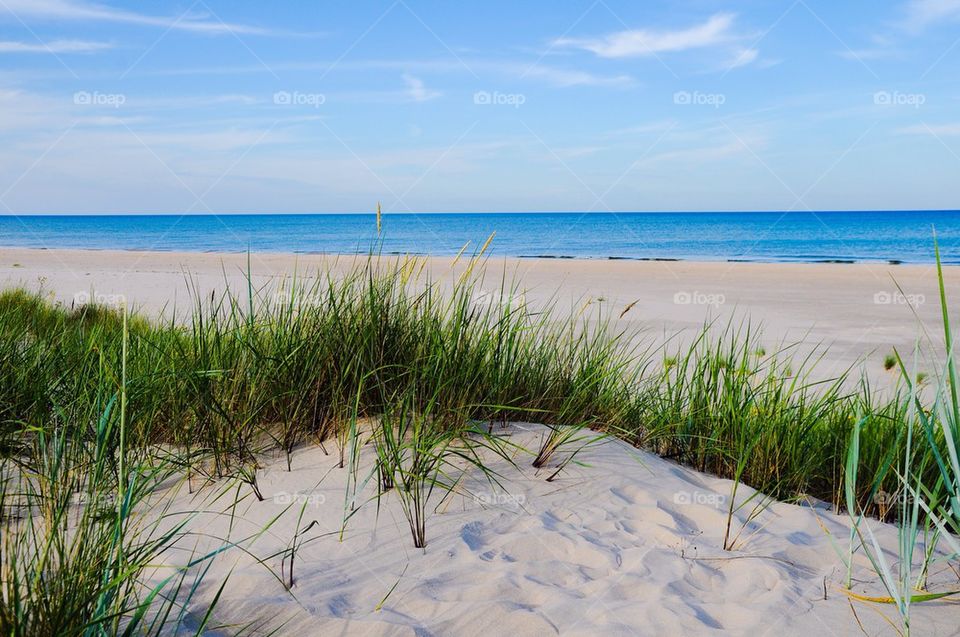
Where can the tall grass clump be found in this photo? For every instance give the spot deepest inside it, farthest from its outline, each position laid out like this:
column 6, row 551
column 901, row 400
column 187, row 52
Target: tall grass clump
column 78, row 556
column 926, row 503
column 422, row 451
column 768, row 422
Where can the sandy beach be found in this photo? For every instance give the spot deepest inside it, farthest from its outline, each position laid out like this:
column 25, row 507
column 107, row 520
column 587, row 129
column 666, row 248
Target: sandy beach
column 861, row 311
column 622, row 542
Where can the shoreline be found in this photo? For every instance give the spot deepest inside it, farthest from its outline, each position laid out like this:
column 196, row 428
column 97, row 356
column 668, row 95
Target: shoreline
column 868, row 237
column 524, row 257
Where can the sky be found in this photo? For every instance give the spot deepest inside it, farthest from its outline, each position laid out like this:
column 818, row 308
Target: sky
column 240, row 106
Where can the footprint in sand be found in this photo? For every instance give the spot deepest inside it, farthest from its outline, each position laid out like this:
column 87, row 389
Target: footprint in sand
column 472, row 535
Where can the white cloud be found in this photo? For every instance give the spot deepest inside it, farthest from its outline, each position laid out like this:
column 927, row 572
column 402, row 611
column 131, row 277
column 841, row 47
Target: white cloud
column 881, row 46
column 743, row 57
column 641, row 42
column 57, row 46
column 80, row 10
column 566, row 77
column 924, row 13
column 417, row 91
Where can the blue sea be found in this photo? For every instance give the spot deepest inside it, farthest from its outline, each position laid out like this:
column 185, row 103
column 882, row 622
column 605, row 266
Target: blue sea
column 901, row 236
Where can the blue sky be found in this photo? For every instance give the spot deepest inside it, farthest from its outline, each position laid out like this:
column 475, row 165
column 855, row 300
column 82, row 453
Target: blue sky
column 242, row 106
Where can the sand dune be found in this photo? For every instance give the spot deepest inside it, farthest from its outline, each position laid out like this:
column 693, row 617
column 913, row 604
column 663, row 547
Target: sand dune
column 626, row 544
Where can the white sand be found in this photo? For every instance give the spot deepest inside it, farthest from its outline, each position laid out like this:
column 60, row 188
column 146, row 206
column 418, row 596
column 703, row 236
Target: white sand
column 629, row 545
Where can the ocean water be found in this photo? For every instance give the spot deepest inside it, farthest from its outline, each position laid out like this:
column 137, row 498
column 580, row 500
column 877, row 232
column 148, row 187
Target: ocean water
column 901, row 236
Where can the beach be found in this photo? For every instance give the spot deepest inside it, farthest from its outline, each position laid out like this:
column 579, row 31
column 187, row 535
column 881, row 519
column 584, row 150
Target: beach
column 859, row 312
column 291, row 515
column 446, row 319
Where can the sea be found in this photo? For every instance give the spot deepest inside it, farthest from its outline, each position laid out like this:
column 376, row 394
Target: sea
column 797, row 236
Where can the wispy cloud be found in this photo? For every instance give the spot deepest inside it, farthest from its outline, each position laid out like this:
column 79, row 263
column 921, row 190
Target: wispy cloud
column 924, row 13
column 552, row 75
column 94, row 12
column 417, row 91
column 644, row 42
column 743, row 57
column 881, row 46
column 57, row 46
column 566, row 77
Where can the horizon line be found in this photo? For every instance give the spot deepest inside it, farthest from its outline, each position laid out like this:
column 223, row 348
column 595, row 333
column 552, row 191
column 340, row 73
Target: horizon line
column 14, row 215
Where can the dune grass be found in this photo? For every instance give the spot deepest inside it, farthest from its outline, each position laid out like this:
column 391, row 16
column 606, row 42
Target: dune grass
column 925, row 506
column 424, row 373
column 280, row 369
column 290, row 367
column 77, row 556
